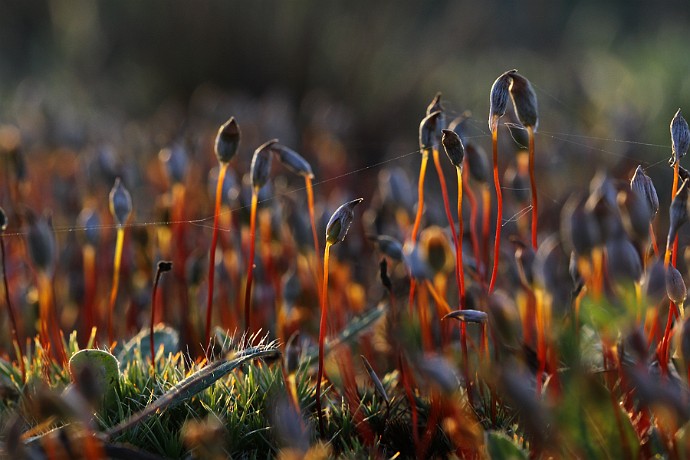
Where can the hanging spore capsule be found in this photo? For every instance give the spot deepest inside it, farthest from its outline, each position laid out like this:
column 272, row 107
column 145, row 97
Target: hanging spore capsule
column 40, row 243
column 292, row 160
column 675, row 285
column 120, row 203
column 680, row 138
column 524, row 101
column 655, row 282
column 460, row 125
column 623, row 260
column 642, row 184
column 90, row 222
column 340, row 222
column 261, row 165
column 454, row 148
column 477, row 162
column 389, row 246
column 427, row 131
column 635, row 213
column 498, row 98
column 175, row 160
column 436, row 106
column 227, row 141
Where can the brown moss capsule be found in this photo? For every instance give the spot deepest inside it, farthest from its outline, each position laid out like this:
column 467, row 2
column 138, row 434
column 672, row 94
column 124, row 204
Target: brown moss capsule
column 675, row 285
column 477, row 162
column 635, row 213
column 340, row 221
column 416, row 263
column 623, row 261
column 427, row 131
column 389, row 246
column 655, row 283
column 261, row 164
column 498, row 98
column 120, row 203
column 468, row 316
column 454, row 148
column 642, row 184
column 164, row 266
column 292, row 160
column 375, row 380
column 524, row 101
column 436, row 106
column 459, row 125
column 579, row 230
column 680, row 138
column 438, row 371
column 175, row 160
column 227, row 140
column 40, row 242
column 90, row 222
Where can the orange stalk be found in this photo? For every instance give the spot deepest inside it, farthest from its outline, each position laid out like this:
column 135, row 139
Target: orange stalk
column 486, row 223
column 212, row 255
column 461, row 232
column 418, row 218
column 323, row 326
column 499, row 215
column 674, row 190
column 89, row 258
column 250, row 267
column 117, row 262
column 420, row 192
column 446, row 205
column 312, row 219
column 47, row 313
column 473, row 230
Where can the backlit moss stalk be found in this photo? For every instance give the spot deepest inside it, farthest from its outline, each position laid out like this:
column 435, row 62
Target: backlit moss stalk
column 120, row 208
column 498, row 101
column 260, row 170
column 336, row 230
column 225, row 147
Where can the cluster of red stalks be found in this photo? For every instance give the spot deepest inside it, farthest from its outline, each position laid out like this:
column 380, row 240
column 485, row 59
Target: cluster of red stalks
column 510, row 311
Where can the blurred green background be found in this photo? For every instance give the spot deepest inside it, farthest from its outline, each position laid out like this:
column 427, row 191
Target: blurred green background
column 615, row 70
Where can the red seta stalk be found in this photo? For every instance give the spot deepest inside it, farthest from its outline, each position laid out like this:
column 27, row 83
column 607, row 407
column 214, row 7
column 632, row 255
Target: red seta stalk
column 499, row 215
